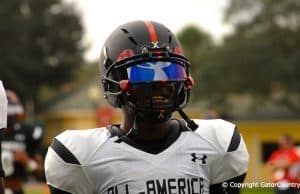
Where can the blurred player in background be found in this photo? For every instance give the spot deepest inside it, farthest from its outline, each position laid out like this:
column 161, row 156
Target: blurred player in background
column 3, row 121
column 284, row 163
column 20, row 147
column 145, row 73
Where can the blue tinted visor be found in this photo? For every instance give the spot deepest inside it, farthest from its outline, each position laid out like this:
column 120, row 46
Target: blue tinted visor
column 156, row 71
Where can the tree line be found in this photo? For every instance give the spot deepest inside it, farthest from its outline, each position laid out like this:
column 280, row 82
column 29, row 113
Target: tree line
column 41, row 49
column 260, row 59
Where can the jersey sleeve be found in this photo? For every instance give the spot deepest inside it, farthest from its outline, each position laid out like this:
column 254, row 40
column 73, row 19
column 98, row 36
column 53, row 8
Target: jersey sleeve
column 226, row 138
column 3, row 107
column 67, row 158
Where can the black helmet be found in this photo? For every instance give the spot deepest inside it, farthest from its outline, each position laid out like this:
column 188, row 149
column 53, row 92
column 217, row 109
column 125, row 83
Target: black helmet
column 15, row 110
column 139, row 57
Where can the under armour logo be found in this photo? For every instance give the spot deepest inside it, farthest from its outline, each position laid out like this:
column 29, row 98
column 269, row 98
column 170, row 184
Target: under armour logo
column 199, row 159
column 158, row 69
column 155, row 44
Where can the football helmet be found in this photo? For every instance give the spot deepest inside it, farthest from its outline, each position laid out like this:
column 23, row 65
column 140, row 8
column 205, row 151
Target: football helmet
column 15, row 110
column 143, row 66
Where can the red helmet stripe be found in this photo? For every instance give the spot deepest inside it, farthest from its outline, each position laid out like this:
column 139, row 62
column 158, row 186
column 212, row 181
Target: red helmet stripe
column 151, row 31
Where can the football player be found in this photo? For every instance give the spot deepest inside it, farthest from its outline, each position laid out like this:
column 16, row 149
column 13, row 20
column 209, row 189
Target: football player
column 145, row 73
column 3, row 121
column 284, row 163
column 21, row 146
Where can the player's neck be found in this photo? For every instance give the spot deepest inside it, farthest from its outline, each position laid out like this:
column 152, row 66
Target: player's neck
column 150, row 131
column 145, row 130
column 128, row 119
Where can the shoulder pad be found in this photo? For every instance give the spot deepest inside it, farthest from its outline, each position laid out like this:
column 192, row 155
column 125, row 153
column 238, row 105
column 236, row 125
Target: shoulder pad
column 82, row 143
column 222, row 134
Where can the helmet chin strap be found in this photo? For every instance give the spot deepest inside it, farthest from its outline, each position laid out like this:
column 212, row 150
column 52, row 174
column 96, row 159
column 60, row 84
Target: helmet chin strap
column 190, row 123
column 156, row 117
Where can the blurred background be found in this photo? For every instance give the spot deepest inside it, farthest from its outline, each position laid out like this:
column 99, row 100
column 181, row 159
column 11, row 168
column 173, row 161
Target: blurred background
column 245, row 58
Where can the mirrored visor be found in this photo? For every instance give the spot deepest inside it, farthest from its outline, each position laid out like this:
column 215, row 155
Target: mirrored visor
column 156, row 71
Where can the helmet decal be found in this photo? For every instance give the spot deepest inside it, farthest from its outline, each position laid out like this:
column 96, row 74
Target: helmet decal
column 155, row 44
column 178, row 50
column 152, row 31
column 125, row 53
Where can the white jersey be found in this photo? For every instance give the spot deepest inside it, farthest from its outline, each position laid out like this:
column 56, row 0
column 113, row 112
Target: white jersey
column 3, row 106
column 94, row 162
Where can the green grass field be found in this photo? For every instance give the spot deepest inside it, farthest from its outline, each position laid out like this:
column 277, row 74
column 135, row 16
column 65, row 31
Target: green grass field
column 36, row 188
column 257, row 191
column 34, row 191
